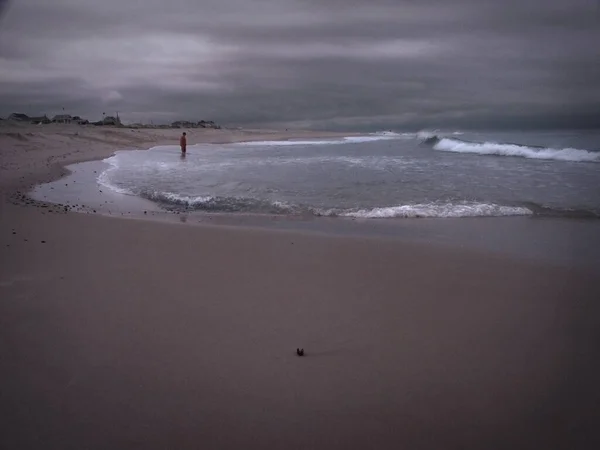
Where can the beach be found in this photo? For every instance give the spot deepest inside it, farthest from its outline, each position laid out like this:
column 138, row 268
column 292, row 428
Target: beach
column 151, row 334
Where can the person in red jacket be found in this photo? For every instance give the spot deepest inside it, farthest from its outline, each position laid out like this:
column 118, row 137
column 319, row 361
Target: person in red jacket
column 183, row 142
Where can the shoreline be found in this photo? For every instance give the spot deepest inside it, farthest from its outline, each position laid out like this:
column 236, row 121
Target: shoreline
column 63, row 145
column 143, row 333
column 442, row 232
column 515, row 237
column 191, row 331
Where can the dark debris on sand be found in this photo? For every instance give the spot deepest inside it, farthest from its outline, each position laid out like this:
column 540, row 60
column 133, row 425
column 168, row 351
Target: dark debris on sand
column 19, row 198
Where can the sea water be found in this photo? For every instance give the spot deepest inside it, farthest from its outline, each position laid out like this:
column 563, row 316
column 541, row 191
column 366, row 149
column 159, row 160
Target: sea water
column 380, row 175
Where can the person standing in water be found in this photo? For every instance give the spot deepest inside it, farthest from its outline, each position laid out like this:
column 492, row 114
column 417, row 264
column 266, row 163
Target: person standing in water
column 183, row 143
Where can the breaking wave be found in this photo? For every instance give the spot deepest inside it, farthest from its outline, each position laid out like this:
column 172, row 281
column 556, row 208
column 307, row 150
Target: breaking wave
column 441, row 210
column 219, row 204
column 499, row 149
column 104, row 177
column 381, row 184
column 258, row 206
column 464, row 209
column 379, row 136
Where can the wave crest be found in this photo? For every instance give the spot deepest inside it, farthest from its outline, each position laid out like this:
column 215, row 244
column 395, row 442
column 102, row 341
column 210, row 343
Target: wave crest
column 219, row 204
column 378, row 136
column 498, row 149
column 253, row 205
column 434, row 210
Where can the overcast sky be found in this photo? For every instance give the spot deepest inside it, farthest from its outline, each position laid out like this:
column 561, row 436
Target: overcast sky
column 364, row 64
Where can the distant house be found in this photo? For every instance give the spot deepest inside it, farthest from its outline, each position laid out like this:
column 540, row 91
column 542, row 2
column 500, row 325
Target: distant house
column 62, row 118
column 183, row 124
column 110, row 120
column 188, row 124
column 37, row 120
column 208, row 124
column 18, row 116
column 79, row 121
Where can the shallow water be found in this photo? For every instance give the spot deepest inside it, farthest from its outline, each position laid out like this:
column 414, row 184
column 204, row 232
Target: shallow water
column 389, row 175
column 567, row 240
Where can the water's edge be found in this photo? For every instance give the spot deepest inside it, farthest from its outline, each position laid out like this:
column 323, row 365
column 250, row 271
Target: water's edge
column 562, row 241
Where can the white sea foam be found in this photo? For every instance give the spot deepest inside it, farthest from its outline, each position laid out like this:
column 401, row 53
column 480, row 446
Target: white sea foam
column 388, row 133
column 379, row 136
column 493, row 148
column 465, row 209
column 431, row 210
column 376, row 137
column 285, row 143
column 215, row 203
column 104, row 177
column 171, row 197
column 426, row 134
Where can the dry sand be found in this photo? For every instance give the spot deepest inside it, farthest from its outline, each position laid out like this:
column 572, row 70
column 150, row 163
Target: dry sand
column 139, row 334
column 38, row 152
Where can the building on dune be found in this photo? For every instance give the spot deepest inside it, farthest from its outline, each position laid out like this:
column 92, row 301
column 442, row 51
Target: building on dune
column 62, row 118
column 18, row 117
column 39, row 120
column 208, row 124
column 183, row 124
column 78, row 120
column 200, row 124
column 110, row 120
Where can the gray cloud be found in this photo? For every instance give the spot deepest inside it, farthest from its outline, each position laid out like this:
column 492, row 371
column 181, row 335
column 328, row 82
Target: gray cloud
column 365, row 64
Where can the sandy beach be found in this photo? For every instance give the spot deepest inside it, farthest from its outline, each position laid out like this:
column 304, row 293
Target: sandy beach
column 37, row 153
column 143, row 334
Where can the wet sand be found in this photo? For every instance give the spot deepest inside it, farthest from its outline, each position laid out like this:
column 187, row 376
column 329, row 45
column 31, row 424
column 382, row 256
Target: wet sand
column 142, row 334
column 558, row 241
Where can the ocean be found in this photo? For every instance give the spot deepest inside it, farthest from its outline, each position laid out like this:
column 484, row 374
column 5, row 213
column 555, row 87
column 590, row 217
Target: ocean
column 391, row 175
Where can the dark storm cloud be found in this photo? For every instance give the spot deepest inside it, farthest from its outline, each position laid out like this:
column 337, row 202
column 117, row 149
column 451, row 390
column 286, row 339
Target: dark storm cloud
column 319, row 63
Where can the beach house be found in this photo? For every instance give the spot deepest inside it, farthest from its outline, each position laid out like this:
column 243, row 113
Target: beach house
column 19, row 117
column 41, row 119
column 62, row 118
